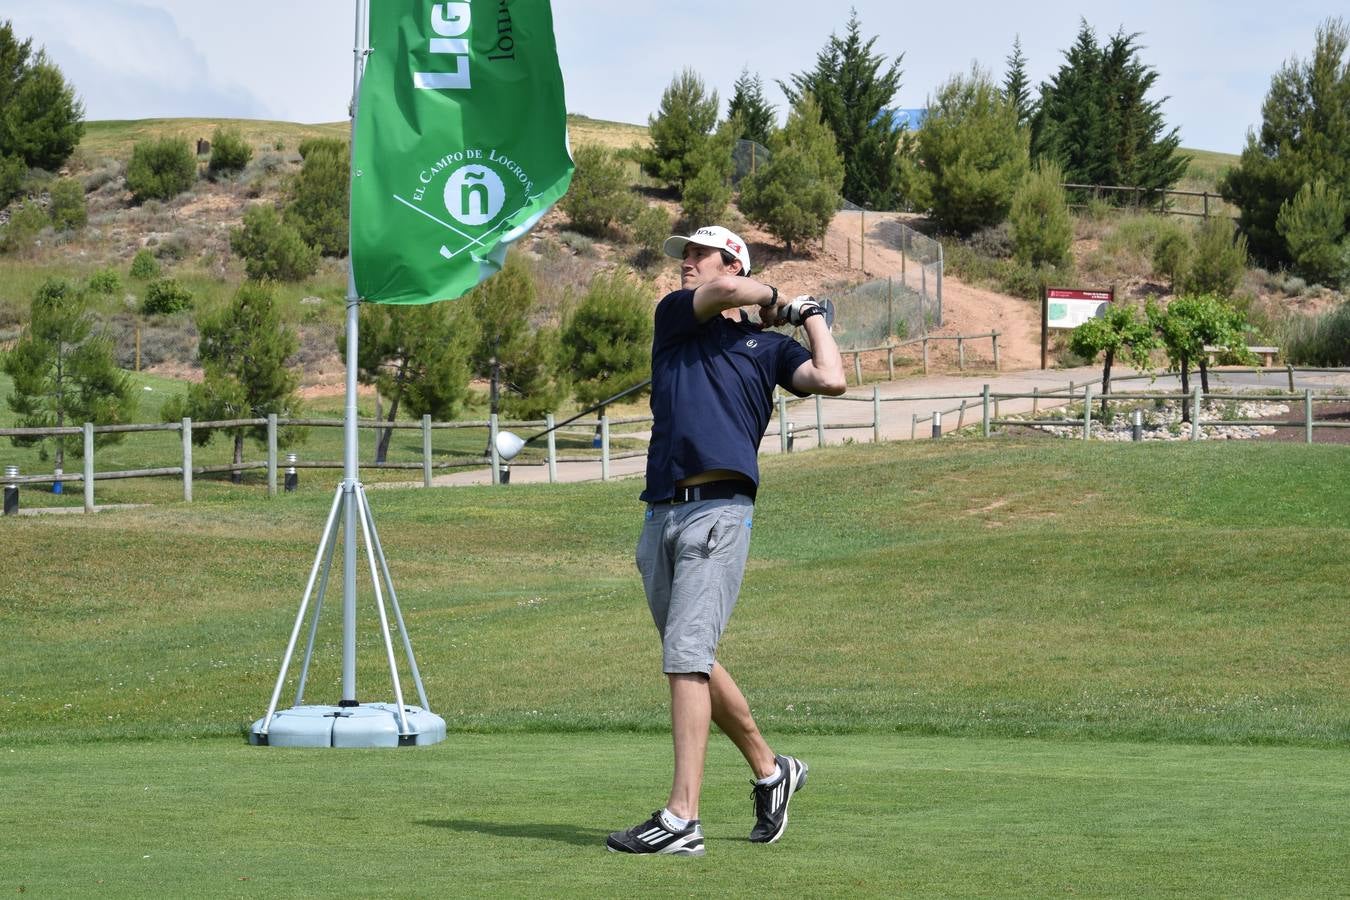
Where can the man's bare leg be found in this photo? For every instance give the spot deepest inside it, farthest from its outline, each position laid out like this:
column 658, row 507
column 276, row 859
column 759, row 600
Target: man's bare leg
column 690, row 717
column 731, row 712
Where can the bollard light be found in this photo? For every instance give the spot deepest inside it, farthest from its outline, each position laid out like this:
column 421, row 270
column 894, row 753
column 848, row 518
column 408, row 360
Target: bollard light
column 505, row 473
column 11, row 492
column 57, row 487
column 1137, row 428
column 292, row 477
column 790, row 436
column 937, row 425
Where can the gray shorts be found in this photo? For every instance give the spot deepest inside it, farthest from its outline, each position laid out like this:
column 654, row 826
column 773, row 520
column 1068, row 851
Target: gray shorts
column 692, row 559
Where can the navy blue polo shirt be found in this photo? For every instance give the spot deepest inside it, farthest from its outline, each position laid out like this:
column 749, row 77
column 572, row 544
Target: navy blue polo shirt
column 712, row 392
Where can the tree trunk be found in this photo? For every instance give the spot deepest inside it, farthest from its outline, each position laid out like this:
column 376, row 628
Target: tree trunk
column 1185, row 389
column 382, row 449
column 1204, row 374
column 1106, row 379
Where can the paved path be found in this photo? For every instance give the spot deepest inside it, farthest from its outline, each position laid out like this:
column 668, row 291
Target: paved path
column 898, row 410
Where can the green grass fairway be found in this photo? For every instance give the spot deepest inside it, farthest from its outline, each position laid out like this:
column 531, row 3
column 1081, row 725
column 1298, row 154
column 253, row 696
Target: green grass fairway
column 1017, row 668
column 526, row 815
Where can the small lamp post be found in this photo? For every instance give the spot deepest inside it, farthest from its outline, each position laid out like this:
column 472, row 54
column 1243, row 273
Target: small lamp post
column 11, row 492
column 292, row 478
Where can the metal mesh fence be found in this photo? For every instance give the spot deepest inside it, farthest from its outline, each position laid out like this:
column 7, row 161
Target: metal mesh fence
column 898, row 289
column 747, row 157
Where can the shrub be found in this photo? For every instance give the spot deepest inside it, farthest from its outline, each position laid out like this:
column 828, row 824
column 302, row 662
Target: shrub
column 651, row 227
column 1313, row 225
column 1322, row 340
column 318, row 208
column 1220, row 259
column 994, row 241
column 1042, row 231
column 161, row 169
column 25, row 224
column 599, row 193
column 144, row 266
column 272, row 248
column 229, row 153
column 166, row 296
column 174, row 247
column 67, row 208
column 795, row 195
column 106, row 282
column 1172, row 255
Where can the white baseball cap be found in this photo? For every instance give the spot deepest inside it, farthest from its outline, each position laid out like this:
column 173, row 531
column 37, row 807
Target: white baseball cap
column 710, row 236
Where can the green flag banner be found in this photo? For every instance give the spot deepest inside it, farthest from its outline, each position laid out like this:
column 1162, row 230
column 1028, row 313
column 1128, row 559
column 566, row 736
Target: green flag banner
column 459, row 146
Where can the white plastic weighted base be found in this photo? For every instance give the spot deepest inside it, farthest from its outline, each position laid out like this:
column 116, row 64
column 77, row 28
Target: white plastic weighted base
column 367, row 725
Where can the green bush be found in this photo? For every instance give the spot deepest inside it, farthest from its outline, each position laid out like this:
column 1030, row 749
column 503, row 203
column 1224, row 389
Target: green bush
column 144, row 266
column 1220, row 259
column 12, row 172
column 165, row 296
column 1172, row 255
column 161, row 169
column 599, row 193
column 25, row 224
column 1313, row 224
column 319, row 196
column 651, row 227
column 230, row 153
column 106, row 282
column 272, row 248
column 1042, row 231
column 67, row 209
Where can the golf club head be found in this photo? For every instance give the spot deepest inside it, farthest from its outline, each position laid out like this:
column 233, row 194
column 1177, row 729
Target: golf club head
column 508, row 445
column 828, row 305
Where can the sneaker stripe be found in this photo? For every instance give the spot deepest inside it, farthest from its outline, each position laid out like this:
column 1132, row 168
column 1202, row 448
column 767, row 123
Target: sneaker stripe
column 654, row 835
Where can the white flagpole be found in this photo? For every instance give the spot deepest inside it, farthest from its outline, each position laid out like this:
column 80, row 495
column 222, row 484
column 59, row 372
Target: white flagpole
column 350, row 470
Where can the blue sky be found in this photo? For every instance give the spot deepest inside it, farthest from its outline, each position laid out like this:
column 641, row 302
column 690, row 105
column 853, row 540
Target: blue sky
column 291, row 59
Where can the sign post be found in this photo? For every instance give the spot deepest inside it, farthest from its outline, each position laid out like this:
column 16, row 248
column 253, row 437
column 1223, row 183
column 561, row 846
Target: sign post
column 1067, row 308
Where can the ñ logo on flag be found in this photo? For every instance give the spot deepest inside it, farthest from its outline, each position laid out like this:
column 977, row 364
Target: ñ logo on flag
column 471, row 194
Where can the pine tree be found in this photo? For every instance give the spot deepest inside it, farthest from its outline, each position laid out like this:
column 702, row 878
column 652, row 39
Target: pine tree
column 1305, row 135
column 853, row 92
column 1016, row 86
column 41, row 120
column 599, row 193
column 756, row 114
column 1095, row 120
column 795, row 195
column 973, row 154
column 64, row 374
column 501, row 307
column 243, row 351
column 707, row 194
column 606, row 341
column 417, row 357
column 679, row 129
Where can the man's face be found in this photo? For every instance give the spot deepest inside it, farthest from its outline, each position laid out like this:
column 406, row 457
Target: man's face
column 702, row 264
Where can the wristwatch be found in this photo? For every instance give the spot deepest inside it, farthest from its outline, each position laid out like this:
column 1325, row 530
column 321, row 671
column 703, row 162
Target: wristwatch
column 773, row 297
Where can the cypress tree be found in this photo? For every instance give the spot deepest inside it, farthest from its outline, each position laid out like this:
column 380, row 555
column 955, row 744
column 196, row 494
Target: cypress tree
column 854, row 91
column 1016, row 86
column 756, row 114
column 1095, row 120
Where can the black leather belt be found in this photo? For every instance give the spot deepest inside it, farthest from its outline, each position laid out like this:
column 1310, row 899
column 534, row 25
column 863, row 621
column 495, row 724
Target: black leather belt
column 711, row 490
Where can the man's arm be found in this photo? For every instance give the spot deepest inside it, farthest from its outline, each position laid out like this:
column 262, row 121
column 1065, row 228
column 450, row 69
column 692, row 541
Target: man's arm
column 728, row 292
column 823, row 373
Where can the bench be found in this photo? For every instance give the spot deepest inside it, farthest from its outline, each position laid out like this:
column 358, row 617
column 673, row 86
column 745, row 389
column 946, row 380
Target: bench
column 1267, row 354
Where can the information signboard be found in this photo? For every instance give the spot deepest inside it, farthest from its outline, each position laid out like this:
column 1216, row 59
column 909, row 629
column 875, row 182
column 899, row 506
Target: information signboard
column 1067, row 308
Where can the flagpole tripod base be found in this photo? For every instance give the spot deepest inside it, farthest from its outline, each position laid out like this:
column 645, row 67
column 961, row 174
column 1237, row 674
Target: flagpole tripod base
column 349, row 723
column 362, row 726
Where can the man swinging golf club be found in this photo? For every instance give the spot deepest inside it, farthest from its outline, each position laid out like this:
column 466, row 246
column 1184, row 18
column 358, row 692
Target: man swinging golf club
column 713, row 376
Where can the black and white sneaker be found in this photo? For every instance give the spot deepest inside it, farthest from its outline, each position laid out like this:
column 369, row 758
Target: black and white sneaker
column 771, row 800
column 652, row 836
